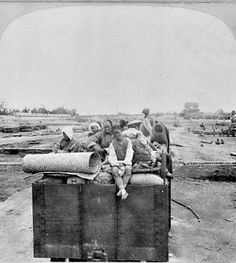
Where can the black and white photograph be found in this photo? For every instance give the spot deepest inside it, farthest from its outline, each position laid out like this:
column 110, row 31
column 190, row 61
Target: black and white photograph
column 118, row 131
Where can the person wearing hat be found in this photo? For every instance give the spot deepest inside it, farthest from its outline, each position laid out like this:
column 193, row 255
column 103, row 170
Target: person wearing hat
column 68, row 143
column 146, row 126
column 94, row 127
column 101, row 141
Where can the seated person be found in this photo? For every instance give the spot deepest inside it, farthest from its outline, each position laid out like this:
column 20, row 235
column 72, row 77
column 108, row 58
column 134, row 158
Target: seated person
column 123, row 124
column 120, row 159
column 101, row 141
column 68, row 143
column 160, row 137
column 131, row 133
column 94, row 127
column 143, row 150
column 144, row 155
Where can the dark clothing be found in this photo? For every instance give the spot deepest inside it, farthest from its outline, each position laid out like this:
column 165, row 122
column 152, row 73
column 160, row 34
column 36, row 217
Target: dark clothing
column 141, row 153
column 71, row 146
column 160, row 134
column 99, row 142
column 102, row 139
column 92, row 133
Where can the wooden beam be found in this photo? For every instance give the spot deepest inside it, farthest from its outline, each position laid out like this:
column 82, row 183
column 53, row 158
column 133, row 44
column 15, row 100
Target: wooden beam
column 24, row 150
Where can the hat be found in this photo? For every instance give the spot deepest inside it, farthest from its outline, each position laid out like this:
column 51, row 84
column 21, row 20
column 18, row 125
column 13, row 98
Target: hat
column 94, row 124
column 134, row 123
column 68, row 131
column 146, row 111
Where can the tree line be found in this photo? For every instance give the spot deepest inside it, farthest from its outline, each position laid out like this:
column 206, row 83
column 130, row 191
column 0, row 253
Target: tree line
column 4, row 110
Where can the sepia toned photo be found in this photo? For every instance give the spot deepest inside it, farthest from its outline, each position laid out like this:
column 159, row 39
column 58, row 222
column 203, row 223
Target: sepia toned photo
column 118, row 131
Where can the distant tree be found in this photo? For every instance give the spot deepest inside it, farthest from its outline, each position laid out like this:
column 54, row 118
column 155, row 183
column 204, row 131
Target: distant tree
column 60, row 110
column 3, row 107
column 73, row 112
column 43, row 110
column 13, row 111
column 34, row 110
column 158, row 114
column 26, row 110
column 220, row 112
column 63, row 110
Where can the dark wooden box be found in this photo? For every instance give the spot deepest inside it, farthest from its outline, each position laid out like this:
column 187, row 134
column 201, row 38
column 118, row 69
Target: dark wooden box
column 71, row 220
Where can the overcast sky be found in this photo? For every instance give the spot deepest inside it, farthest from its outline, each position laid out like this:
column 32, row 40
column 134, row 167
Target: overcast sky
column 118, row 58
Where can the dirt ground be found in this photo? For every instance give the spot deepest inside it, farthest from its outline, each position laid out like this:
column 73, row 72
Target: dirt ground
column 213, row 239
column 194, row 150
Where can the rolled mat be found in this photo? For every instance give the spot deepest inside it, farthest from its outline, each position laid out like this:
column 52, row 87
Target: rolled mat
column 146, row 179
column 82, row 162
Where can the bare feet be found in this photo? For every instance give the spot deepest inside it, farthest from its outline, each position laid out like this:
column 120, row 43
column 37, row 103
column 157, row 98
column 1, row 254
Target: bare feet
column 124, row 194
column 119, row 193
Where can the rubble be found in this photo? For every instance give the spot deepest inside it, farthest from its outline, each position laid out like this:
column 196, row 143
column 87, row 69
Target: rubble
column 22, row 128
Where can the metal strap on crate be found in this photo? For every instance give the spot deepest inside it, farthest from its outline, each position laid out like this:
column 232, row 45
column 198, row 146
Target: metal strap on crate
column 80, row 219
column 161, row 224
column 39, row 220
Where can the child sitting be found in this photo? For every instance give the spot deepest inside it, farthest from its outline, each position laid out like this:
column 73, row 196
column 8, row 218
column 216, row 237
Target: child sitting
column 94, row 127
column 120, row 159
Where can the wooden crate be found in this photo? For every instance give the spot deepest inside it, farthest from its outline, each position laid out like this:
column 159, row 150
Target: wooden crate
column 69, row 221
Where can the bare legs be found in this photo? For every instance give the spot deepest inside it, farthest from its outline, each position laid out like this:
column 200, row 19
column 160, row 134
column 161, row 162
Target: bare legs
column 122, row 176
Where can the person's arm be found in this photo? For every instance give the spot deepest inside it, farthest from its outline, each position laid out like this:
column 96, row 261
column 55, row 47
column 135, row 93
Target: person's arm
column 152, row 121
column 168, row 139
column 129, row 154
column 112, row 158
column 152, row 146
column 93, row 143
column 77, row 147
column 58, row 147
column 90, row 134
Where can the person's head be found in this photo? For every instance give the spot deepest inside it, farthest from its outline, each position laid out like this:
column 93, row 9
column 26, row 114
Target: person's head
column 67, row 133
column 117, row 132
column 94, row 127
column 123, row 124
column 146, row 111
column 134, row 124
column 107, row 126
column 158, row 128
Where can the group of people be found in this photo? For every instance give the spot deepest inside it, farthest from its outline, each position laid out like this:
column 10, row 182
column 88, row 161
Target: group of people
column 121, row 147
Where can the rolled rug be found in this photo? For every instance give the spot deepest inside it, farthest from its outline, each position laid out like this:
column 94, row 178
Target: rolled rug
column 82, row 162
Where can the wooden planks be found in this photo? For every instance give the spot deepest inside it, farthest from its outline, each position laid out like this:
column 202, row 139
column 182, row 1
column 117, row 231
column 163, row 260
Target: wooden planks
column 143, row 224
column 99, row 208
column 39, row 223
column 62, row 220
column 161, row 222
column 72, row 220
column 24, row 151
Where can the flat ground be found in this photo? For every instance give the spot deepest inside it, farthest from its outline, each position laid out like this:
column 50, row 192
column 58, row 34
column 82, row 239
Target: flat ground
column 194, row 150
column 213, row 239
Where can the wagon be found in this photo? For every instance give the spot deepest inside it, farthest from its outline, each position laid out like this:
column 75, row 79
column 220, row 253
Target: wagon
column 89, row 222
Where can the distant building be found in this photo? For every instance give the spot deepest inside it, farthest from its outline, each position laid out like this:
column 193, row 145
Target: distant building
column 191, row 110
